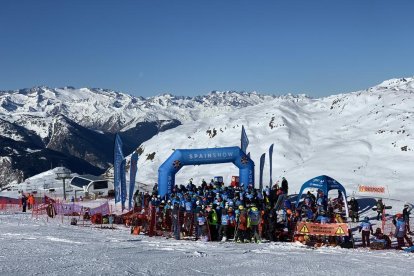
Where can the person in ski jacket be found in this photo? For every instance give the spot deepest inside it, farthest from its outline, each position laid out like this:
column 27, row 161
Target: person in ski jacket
column 401, row 231
column 284, row 186
column 30, row 201
column 406, row 215
column 381, row 237
column 213, row 222
column 176, row 221
column 380, row 208
column 322, row 217
column 24, row 203
column 202, row 231
column 241, row 225
column 223, row 228
column 231, row 223
column 354, row 209
column 366, row 228
column 253, row 222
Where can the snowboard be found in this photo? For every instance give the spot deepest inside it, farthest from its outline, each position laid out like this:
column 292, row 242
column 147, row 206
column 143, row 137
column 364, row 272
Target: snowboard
column 386, row 208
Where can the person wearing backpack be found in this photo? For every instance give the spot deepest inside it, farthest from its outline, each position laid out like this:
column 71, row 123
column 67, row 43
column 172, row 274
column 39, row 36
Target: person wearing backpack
column 253, row 222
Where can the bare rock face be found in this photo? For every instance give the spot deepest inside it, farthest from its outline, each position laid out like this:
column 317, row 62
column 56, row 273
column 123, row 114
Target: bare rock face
column 8, row 174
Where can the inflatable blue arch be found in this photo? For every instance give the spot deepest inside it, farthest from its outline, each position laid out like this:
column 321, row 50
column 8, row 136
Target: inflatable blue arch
column 185, row 157
column 325, row 184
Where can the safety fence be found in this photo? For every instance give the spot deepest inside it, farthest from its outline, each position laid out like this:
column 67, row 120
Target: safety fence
column 9, row 206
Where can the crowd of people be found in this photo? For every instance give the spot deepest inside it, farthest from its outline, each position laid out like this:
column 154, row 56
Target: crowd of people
column 216, row 212
column 213, row 211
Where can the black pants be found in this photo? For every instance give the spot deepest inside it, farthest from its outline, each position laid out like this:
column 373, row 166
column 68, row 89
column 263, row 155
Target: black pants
column 255, row 232
column 213, row 232
column 222, row 231
column 379, row 215
column 365, row 238
column 240, row 235
column 177, row 230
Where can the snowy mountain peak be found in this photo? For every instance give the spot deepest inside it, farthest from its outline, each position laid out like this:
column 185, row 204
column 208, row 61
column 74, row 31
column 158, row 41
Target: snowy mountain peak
column 397, row 84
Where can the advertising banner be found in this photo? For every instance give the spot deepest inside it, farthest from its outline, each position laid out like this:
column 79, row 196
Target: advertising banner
column 371, row 189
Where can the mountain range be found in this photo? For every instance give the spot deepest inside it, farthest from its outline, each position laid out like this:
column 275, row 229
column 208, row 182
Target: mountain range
column 42, row 127
column 362, row 137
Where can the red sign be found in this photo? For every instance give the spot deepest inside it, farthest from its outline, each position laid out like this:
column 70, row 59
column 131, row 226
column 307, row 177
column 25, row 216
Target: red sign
column 371, row 189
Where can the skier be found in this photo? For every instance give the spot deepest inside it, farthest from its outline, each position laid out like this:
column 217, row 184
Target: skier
column 213, row 221
column 241, row 225
column 50, row 210
column 366, row 228
column 137, row 199
column 155, row 189
column 30, row 201
column 401, row 231
column 253, row 222
column 311, row 197
column 231, row 223
column 406, row 215
column 284, row 186
column 24, row 203
column 176, row 220
column 380, row 208
column 224, row 226
column 382, row 240
column 354, row 210
column 202, row 231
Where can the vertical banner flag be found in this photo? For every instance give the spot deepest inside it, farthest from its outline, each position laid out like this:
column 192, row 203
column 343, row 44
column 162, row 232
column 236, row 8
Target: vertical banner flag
column 262, row 161
column 118, row 157
column 244, row 140
column 270, row 165
column 123, row 183
column 132, row 174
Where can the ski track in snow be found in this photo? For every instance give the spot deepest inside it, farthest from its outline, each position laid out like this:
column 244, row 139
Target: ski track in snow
column 35, row 247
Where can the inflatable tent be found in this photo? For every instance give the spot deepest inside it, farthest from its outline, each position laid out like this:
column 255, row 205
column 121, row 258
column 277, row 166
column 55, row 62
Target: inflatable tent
column 325, row 184
column 184, row 157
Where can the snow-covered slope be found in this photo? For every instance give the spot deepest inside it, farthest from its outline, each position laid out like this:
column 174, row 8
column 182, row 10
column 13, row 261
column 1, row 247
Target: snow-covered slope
column 53, row 247
column 364, row 137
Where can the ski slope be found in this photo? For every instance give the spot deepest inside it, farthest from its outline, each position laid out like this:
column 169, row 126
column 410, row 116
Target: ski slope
column 364, row 137
column 38, row 247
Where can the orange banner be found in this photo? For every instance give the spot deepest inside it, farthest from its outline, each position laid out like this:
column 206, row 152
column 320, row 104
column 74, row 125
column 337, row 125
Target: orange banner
column 371, row 189
column 329, row 229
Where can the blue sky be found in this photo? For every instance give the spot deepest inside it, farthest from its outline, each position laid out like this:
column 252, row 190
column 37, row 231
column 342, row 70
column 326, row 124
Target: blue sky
column 193, row 47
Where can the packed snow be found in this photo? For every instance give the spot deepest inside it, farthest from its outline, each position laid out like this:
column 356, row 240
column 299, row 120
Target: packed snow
column 40, row 246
